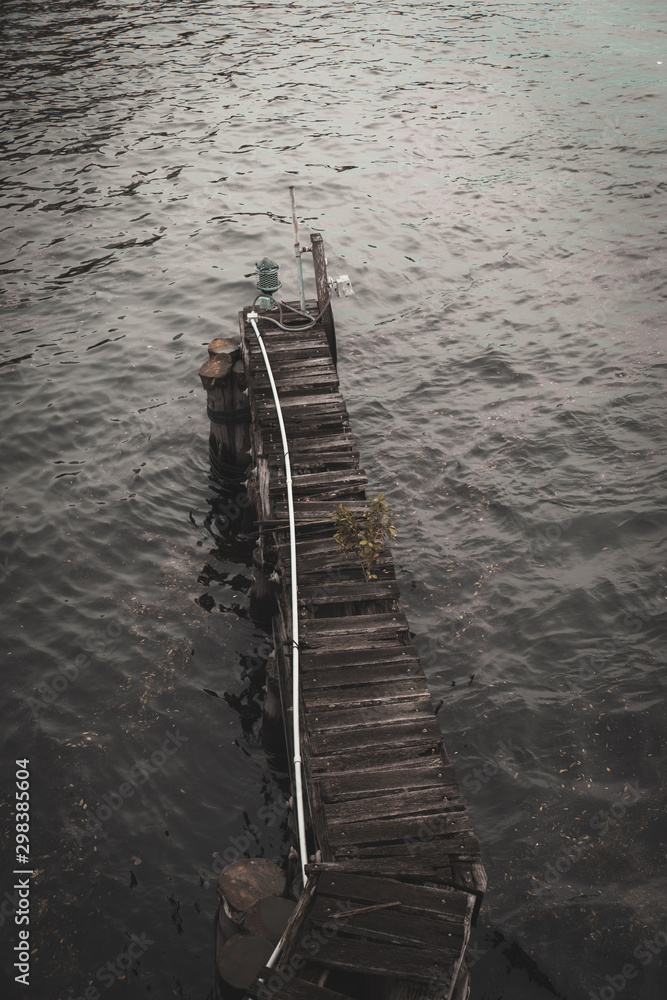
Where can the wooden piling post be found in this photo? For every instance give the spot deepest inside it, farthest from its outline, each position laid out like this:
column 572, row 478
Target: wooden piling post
column 223, row 377
column 323, row 295
column 273, row 728
column 242, row 410
column 262, row 591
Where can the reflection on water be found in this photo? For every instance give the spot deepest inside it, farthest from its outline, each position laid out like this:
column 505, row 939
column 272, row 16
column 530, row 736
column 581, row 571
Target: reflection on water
column 490, row 177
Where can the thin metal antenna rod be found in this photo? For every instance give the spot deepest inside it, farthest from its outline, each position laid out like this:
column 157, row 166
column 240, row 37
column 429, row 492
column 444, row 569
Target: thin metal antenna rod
column 297, row 248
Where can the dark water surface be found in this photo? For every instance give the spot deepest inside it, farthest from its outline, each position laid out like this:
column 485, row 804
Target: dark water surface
column 492, row 177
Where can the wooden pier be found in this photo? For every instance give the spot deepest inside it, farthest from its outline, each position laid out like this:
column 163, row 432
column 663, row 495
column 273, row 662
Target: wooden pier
column 395, row 877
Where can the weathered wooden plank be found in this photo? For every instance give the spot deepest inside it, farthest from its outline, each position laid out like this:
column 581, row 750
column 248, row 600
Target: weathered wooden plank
column 340, row 720
column 348, row 591
column 423, row 869
column 317, row 481
column 317, row 366
column 356, row 760
column 426, row 846
column 330, row 682
column 256, row 369
column 291, row 353
column 461, row 988
column 374, row 656
column 310, row 384
column 474, row 867
column 317, row 812
column 342, row 483
column 326, row 671
column 321, row 373
column 318, row 362
column 398, row 737
column 297, row 989
column 326, row 558
column 276, row 340
column 436, row 801
column 422, row 773
column 339, row 440
column 324, row 421
column 358, row 640
column 330, row 461
column 295, row 926
column 350, row 573
column 314, row 421
column 320, row 629
column 380, row 960
column 373, row 831
column 427, row 900
column 324, row 698
column 319, row 510
column 292, row 404
column 398, row 925
column 328, row 411
column 283, row 360
column 416, row 843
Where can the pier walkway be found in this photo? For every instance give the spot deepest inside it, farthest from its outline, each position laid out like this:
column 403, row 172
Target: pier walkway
column 397, row 878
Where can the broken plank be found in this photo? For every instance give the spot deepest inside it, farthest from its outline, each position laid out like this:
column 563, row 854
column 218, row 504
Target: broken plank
column 396, row 925
column 380, row 960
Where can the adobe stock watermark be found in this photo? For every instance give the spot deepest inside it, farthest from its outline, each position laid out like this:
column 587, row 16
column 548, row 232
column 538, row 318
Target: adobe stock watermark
column 100, row 645
column 549, row 535
column 474, row 780
column 259, row 656
column 237, row 846
column 633, row 621
column 5, row 570
column 225, row 513
column 479, row 776
column 442, row 983
column 140, row 772
column 645, row 952
column 108, row 973
column 599, row 823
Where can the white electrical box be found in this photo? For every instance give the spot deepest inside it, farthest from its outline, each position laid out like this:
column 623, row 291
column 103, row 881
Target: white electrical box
column 342, row 285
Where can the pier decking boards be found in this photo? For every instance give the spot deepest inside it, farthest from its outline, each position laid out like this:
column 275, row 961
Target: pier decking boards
column 384, row 807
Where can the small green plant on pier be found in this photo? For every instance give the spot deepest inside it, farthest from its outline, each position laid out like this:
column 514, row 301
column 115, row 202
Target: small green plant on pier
column 364, row 534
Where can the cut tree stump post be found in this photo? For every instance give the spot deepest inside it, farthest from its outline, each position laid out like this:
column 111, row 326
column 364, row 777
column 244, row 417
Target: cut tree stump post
column 223, row 377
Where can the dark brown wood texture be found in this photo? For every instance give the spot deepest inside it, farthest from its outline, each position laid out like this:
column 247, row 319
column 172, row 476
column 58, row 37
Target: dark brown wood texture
column 385, row 810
